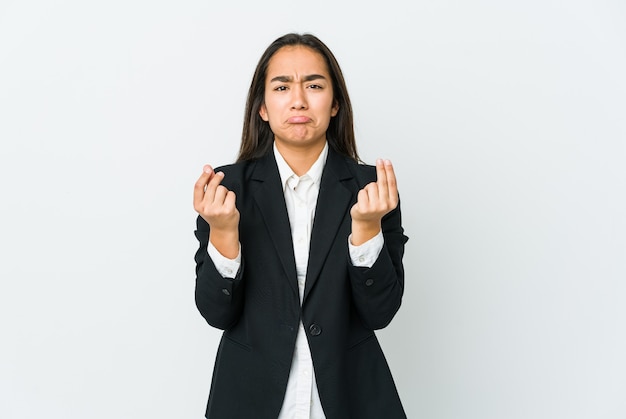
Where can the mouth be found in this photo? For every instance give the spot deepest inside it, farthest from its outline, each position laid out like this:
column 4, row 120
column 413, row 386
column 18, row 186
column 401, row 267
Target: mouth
column 299, row 120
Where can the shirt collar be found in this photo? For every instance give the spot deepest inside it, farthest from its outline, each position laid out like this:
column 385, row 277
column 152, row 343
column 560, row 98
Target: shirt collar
column 315, row 172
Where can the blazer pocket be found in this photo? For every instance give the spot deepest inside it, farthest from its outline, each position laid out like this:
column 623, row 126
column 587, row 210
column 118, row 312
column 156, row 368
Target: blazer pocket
column 361, row 342
column 237, row 343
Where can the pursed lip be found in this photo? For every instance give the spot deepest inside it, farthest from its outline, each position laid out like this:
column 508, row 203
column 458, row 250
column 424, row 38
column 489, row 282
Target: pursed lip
column 299, row 119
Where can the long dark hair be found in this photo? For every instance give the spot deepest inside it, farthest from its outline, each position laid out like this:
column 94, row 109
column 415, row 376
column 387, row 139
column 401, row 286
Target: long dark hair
column 257, row 137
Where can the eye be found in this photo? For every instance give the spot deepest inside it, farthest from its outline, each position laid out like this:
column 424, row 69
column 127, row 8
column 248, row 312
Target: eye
column 314, row 86
column 280, row 88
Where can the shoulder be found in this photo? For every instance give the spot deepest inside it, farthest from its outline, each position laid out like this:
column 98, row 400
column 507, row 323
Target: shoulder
column 233, row 169
column 348, row 169
column 235, row 173
column 363, row 173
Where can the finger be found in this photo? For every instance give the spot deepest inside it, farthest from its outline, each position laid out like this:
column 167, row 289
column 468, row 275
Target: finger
column 381, row 180
column 230, row 201
column 211, row 187
column 391, row 182
column 220, row 195
column 199, row 187
column 363, row 199
column 371, row 190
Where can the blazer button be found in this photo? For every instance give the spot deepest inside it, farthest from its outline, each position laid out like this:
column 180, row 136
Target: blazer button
column 315, row 330
column 225, row 291
column 369, row 282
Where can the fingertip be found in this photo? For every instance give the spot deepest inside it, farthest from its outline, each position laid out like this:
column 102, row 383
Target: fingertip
column 207, row 169
column 387, row 162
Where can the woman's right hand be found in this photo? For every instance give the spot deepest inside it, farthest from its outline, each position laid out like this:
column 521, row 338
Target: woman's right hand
column 216, row 205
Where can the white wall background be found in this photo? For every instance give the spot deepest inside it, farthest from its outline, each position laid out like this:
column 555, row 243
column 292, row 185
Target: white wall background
column 506, row 122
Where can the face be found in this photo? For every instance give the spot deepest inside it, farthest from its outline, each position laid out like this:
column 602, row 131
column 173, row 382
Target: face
column 298, row 98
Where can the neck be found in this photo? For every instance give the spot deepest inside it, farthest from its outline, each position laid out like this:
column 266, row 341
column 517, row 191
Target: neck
column 300, row 159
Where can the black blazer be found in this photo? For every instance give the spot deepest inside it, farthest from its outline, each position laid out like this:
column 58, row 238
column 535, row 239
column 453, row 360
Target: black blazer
column 259, row 310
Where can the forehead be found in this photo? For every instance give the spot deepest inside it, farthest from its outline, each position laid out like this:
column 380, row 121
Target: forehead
column 296, row 60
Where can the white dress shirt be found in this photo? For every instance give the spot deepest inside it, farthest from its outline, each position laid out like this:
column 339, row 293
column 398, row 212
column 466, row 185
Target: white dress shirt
column 302, row 399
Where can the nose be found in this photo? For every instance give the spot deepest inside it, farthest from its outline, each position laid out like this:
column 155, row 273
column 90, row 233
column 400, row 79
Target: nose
column 298, row 99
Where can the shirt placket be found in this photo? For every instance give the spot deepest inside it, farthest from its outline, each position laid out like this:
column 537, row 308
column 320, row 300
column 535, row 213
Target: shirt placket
column 301, row 230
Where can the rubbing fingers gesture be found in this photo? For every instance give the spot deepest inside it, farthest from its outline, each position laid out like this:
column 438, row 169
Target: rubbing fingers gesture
column 216, row 205
column 374, row 201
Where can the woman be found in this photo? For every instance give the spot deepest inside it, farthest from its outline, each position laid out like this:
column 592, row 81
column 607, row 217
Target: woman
column 300, row 255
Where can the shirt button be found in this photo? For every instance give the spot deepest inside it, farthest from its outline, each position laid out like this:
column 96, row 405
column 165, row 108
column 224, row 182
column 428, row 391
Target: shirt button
column 315, row 330
column 369, row 282
column 225, row 291
column 361, row 259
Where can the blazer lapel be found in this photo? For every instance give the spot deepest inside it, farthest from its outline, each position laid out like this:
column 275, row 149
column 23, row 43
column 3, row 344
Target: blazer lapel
column 333, row 203
column 270, row 199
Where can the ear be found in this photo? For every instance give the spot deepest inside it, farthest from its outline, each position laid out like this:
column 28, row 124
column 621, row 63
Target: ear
column 334, row 109
column 263, row 113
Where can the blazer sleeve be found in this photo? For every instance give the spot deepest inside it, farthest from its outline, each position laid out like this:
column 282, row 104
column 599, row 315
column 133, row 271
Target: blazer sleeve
column 377, row 291
column 219, row 299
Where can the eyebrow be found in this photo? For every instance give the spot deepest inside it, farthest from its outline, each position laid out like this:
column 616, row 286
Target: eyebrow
column 287, row 79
